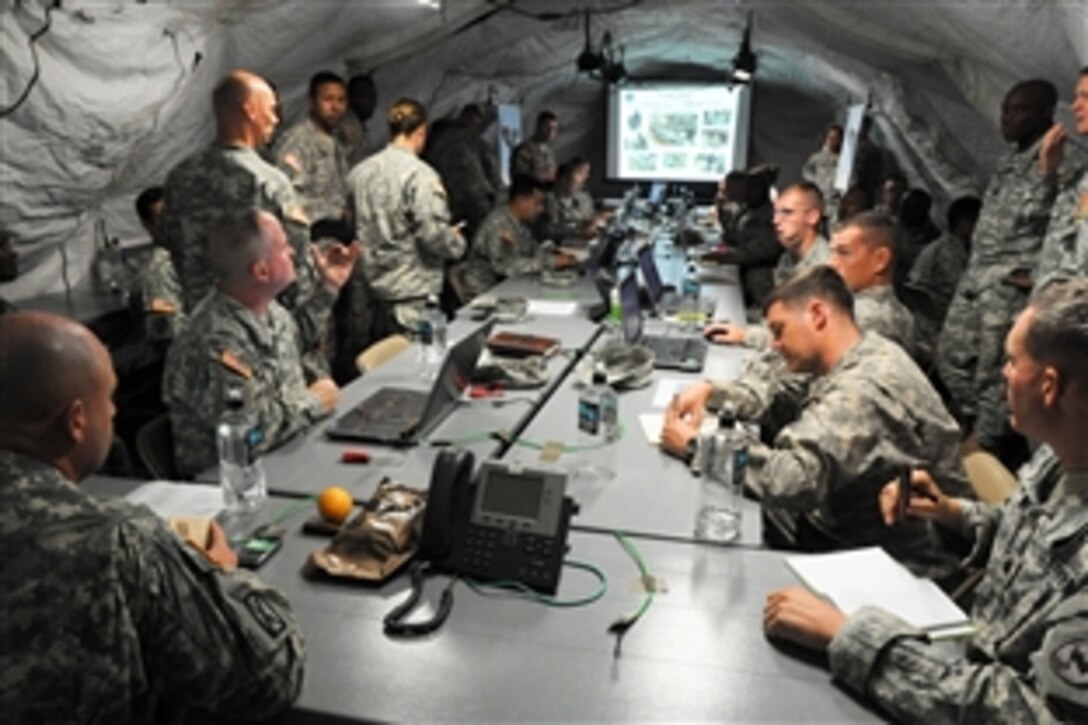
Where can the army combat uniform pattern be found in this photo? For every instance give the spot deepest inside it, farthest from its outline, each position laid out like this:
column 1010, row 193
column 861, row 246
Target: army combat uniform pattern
column 160, row 294
column 820, row 169
column 503, row 247
column 970, row 351
column 789, row 264
column 400, row 210
column 316, row 164
column 226, row 345
column 535, row 159
column 1065, row 249
column 566, row 217
column 858, row 426
column 935, row 275
column 1028, row 661
column 470, row 174
column 110, row 618
column 224, row 179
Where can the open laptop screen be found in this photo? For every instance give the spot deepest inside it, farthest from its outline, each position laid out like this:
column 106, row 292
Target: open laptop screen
column 657, row 192
column 650, row 275
column 629, row 308
column 455, row 375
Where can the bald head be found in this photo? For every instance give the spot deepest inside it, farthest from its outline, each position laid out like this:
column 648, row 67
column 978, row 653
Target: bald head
column 56, row 380
column 245, row 109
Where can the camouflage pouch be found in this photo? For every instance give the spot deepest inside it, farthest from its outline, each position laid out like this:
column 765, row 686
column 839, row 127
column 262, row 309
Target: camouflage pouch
column 514, row 373
column 380, row 540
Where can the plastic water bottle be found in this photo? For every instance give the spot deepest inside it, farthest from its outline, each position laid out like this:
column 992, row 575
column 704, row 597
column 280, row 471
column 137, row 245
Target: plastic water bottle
column 241, row 474
column 609, row 406
column 598, row 421
column 432, row 336
column 718, row 518
column 690, row 290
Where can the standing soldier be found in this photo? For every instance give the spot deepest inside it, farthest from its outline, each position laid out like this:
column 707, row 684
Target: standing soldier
column 535, row 157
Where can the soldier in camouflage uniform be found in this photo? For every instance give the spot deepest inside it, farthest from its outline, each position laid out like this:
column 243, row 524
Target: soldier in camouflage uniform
column 400, row 209
column 569, row 211
column 868, row 412
column 157, row 287
column 1065, row 249
column 797, row 214
column 469, row 170
column 937, row 271
column 352, row 131
column 821, row 167
column 108, row 616
column 534, row 156
column 1028, row 658
column 230, row 176
column 239, row 336
column 1015, row 211
column 504, row 246
column 311, row 155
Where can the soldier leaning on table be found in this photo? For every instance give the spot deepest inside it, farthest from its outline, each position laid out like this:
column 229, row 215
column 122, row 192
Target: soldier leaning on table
column 108, row 616
column 1028, row 658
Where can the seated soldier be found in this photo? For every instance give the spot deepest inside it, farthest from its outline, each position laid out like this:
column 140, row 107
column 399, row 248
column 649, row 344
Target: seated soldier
column 1026, row 661
column 108, row 616
column 157, row 286
column 504, row 246
column 239, row 336
column 569, row 211
column 868, row 412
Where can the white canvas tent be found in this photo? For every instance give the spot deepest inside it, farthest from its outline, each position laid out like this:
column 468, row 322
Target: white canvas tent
column 114, row 92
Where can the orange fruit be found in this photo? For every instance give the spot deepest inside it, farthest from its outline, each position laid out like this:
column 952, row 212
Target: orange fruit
column 335, row 504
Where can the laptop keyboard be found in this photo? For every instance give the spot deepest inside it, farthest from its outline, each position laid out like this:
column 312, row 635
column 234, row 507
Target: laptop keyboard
column 388, row 412
column 677, row 349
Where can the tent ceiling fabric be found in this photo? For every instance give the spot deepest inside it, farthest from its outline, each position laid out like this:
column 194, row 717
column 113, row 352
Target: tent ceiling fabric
column 122, row 96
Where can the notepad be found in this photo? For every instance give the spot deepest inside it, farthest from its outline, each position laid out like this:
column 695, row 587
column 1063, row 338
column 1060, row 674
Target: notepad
column 178, row 499
column 870, row 577
column 549, row 307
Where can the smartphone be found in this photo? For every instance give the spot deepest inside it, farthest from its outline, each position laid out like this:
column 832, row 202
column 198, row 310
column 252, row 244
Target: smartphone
column 904, row 494
column 256, row 550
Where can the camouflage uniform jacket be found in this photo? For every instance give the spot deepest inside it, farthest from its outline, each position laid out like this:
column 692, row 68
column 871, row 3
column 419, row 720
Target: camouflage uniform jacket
column 110, row 618
column 935, row 274
column 1065, row 248
column 788, row 265
column 859, row 424
column 820, row 169
column 877, row 309
column 566, row 217
column 224, row 345
column 401, row 213
column 1026, row 662
column 317, row 165
column 533, row 158
column 503, row 247
column 470, row 174
column 353, row 136
column 160, row 294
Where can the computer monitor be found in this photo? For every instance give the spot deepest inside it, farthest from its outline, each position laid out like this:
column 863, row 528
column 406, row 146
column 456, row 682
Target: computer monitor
column 657, row 193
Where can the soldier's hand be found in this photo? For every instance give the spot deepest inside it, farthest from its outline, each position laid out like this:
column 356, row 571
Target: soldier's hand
column 1052, row 149
column 690, row 404
column 327, row 393
column 725, row 333
column 218, row 550
column 927, row 501
column 797, row 615
column 677, row 432
column 335, row 262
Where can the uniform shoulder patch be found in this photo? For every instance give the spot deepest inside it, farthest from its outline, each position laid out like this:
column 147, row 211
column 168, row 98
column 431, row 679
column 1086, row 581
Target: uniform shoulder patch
column 1082, row 208
column 508, row 236
column 162, row 306
column 293, row 212
column 439, row 189
column 293, row 162
column 1070, row 662
column 235, row 364
column 264, row 614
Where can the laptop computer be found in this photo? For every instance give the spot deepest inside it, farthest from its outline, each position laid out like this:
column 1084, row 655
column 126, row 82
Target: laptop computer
column 670, row 353
column 657, row 193
column 402, row 416
column 663, row 299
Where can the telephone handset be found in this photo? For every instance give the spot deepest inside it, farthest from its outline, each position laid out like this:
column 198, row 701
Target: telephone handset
column 507, row 524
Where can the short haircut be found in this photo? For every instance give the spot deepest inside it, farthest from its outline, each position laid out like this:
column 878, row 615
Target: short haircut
column 524, row 185
column 405, row 116
column 146, row 200
column 815, row 196
column 821, row 282
column 230, row 93
column 322, row 78
column 1058, row 333
column 1040, row 90
column 544, row 118
column 878, row 229
column 236, row 242
column 966, row 208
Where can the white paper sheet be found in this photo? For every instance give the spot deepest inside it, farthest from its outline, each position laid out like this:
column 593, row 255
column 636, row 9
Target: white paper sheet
column 666, row 389
column 549, row 307
column 870, row 577
column 179, row 499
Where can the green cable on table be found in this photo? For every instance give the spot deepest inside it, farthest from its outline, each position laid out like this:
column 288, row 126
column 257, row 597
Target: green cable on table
column 621, row 626
column 481, row 588
column 526, row 443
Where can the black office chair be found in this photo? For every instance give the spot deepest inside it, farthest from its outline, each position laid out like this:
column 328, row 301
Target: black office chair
column 155, row 444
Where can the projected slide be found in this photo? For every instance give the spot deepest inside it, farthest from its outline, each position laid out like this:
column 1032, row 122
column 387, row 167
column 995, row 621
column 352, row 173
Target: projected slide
column 673, row 132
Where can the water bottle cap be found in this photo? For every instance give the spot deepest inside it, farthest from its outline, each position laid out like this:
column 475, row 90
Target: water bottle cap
column 727, row 416
column 599, row 377
column 235, row 400
column 432, row 301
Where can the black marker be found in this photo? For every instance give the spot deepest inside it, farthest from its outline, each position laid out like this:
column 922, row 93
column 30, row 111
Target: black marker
column 904, row 494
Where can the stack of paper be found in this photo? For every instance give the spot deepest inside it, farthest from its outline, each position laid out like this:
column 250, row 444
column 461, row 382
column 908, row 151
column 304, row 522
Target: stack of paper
column 178, row 499
column 869, row 577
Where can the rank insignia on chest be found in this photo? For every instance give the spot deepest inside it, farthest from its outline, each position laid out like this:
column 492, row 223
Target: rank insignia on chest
column 233, row 363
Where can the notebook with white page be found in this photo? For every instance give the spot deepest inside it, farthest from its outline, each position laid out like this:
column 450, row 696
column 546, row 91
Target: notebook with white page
column 178, row 499
column 870, row 577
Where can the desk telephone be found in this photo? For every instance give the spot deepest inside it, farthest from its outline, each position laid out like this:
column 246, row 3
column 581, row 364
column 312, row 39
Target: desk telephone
column 509, row 524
